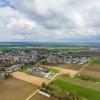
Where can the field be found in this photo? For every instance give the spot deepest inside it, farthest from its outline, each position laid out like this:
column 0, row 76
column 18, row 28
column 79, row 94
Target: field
column 81, row 82
column 41, row 97
column 92, row 70
column 15, row 89
column 68, row 66
column 96, row 61
column 67, row 71
column 87, row 53
column 29, row 78
column 63, row 70
column 54, row 70
column 85, row 92
column 88, row 78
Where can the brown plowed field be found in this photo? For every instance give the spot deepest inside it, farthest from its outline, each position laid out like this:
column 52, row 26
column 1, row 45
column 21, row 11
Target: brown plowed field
column 91, row 73
column 92, row 70
column 68, row 66
column 93, row 67
column 15, row 89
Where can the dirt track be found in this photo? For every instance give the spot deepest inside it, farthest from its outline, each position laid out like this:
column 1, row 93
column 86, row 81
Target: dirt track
column 28, row 78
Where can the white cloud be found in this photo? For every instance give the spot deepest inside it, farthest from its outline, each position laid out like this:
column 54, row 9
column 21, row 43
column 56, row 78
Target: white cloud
column 51, row 19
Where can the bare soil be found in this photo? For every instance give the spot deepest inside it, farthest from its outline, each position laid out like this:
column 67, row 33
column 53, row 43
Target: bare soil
column 66, row 71
column 15, row 89
column 93, row 67
column 68, row 66
column 92, row 70
column 29, row 78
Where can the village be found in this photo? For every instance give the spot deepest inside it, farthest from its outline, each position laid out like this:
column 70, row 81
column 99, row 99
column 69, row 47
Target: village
column 11, row 61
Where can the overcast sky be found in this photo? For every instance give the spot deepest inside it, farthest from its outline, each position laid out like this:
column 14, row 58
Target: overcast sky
column 49, row 20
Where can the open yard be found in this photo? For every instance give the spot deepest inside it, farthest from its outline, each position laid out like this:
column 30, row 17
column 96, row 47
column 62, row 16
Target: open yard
column 15, row 89
column 42, row 97
column 92, row 70
column 29, row 78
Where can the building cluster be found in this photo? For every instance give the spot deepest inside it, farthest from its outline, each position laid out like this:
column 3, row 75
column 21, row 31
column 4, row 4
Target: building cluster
column 13, row 60
column 40, row 71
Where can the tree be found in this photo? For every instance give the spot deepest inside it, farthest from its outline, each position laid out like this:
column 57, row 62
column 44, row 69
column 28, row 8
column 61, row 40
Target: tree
column 7, row 75
column 43, row 85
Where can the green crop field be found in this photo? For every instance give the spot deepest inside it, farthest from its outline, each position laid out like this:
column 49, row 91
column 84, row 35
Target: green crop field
column 88, row 78
column 88, row 93
column 96, row 61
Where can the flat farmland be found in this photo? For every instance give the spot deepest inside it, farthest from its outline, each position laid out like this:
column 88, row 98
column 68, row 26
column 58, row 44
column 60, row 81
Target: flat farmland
column 93, row 53
column 29, row 78
column 41, row 97
column 65, row 70
column 85, row 92
column 93, row 67
column 15, row 89
column 68, row 66
column 92, row 70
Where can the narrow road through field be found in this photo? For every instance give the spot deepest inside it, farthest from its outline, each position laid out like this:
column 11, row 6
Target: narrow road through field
column 86, row 65
column 28, row 98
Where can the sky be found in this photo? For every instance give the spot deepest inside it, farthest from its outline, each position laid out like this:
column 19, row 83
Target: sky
column 49, row 20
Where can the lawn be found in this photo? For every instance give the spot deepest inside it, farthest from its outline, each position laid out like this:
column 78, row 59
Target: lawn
column 24, row 69
column 53, row 70
column 90, row 94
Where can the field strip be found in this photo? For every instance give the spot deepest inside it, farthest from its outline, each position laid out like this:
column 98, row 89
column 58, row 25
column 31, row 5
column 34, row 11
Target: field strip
column 67, row 71
column 85, row 84
column 29, row 78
